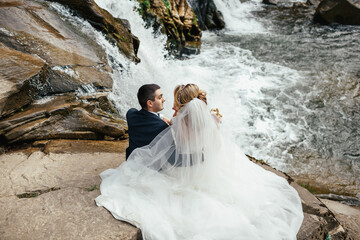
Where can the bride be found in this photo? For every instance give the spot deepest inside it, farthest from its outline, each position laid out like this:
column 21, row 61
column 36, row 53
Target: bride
column 191, row 183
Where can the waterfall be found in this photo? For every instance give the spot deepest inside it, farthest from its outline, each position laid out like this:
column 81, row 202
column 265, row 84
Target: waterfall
column 238, row 17
column 233, row 78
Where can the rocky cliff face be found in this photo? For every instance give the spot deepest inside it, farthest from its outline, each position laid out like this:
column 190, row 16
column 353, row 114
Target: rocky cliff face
column 46, row 61
column 116, row 29
column 177, row 20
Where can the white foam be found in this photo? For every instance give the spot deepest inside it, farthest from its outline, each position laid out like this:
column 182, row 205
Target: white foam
column 248, row 93
column 238, row 17
column 67, row 70
column 6, row 32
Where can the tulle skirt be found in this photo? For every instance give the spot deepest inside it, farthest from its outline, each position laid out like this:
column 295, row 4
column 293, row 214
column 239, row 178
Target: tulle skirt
column 224, row 197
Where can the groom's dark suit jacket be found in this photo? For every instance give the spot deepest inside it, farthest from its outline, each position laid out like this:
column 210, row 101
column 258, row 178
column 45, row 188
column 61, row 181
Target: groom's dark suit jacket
column 143, row 127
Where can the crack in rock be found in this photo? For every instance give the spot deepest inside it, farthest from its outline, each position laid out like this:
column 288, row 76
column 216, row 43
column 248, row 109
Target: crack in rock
column 37, row 193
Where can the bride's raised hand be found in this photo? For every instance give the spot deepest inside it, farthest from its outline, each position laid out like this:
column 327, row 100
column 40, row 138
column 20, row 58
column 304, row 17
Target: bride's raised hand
column 176, row 111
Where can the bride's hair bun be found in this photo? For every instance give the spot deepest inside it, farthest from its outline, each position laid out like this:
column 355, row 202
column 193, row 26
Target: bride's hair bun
column 185, row 93
column 202, row 96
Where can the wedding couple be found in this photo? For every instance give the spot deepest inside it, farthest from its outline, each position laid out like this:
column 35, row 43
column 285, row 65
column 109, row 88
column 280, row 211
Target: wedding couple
column 192, row 183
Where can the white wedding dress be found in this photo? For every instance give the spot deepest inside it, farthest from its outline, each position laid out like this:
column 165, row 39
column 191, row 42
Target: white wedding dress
column 192, row 184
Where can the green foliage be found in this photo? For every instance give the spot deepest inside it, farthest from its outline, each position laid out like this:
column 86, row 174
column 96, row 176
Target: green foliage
column 92, row 188
column 167, row 4
column 328, row 237
column 121, row 38
column 141, row 11
column 195, row 20
column 146, row 3
column 309, row 188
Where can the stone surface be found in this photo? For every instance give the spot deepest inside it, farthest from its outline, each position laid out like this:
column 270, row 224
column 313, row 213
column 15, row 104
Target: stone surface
column 177, row 20
column 340, row 11
column 69, row 213
column 320, row 183
column 102, row 20
column 66, row 213
column 270, row 2
column 22, row 172
column 207, row 14
column 18, row 75
column 83, row 146
column 314, row 3
column 34, row 28
column 65, row 181
column 349, row 217
column 44, row 56
column 66, row 117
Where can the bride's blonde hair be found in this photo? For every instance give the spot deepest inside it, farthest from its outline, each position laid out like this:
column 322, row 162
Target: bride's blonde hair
column 185, row 93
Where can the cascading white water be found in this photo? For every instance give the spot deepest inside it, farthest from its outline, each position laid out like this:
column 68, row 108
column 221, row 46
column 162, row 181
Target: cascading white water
column 238, row 17
column 233, row 78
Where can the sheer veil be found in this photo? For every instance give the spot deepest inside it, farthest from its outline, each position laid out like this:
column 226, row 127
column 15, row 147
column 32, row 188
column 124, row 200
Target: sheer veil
column 193, row 183
column 186, row 144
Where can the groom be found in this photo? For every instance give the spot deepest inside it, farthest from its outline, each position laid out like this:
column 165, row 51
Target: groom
column 146, row 124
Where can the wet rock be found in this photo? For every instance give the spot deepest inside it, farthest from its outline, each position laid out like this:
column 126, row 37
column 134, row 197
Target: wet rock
column 207, row 14
column 46, row 62
column 42, row 54
column 16, row 70
column 270, row 2
column 177, row 20
column 339, row 11
column 34, row 28
column 115, row 28
column 349, row 217
column 314, row 3
column 319, row 183
column 66, row 117
column 351, row 201
column 26, row 77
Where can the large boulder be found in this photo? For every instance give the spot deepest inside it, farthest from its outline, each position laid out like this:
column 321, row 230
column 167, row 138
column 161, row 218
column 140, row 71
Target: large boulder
column 65, row 117
column 116, row 29
column 177, row 20
column 207, row 14
column 340, row 11
column 51, row 196
column 348, row 216
column 47, row 62
column 25, row 77
column 36, row 29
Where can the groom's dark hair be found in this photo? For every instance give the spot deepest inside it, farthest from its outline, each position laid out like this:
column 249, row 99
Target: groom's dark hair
column 147, row 92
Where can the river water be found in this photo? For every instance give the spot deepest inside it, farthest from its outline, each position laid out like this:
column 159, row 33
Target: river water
column 288, row 89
